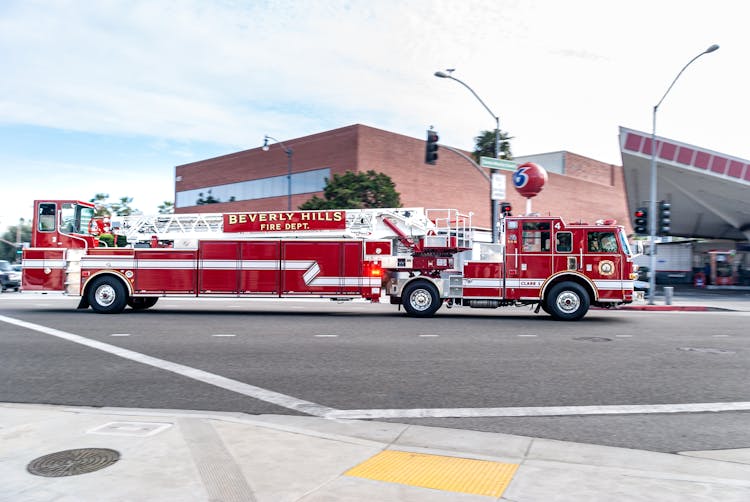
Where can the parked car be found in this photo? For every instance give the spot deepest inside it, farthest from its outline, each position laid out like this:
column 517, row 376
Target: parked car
column 9, row 278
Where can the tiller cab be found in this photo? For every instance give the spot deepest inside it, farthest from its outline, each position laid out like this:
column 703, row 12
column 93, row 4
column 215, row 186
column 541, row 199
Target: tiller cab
column 419, row 258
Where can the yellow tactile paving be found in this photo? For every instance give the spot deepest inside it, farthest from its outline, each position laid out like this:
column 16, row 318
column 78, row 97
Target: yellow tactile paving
column 464, row 475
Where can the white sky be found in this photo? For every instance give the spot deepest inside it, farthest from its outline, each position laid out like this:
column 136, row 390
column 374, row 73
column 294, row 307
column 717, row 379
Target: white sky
column 109, row 96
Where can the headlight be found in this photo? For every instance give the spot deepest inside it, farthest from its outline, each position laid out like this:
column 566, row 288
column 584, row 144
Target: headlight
column 14, row 276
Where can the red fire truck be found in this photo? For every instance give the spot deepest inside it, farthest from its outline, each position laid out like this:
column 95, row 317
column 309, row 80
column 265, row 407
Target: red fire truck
column 420, row 259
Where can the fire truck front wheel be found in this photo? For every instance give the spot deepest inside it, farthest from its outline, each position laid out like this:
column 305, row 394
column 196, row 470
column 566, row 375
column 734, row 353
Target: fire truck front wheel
column 107, row 295
column 421, row 299
column 567, row 301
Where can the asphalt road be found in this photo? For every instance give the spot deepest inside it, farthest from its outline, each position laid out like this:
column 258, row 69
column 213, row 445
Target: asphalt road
column 321, row 357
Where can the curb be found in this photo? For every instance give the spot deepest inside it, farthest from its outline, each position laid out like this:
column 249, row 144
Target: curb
column 675, row 308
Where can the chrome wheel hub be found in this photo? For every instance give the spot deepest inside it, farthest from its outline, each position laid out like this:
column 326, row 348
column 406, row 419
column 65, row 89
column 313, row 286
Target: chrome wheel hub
column 420, row 300
column 105, row 295
column 568, row 302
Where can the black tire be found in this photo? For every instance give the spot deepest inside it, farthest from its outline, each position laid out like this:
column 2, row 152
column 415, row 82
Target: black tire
column 107, row 295
column 567, row 301
column 421, row 299
column 141, row 303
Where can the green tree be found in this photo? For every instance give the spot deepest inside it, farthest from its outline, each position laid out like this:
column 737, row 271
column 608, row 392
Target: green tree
column 166, row 207
column 122, row 207
column 104, row 207
column 10, row 238
column 484, row 145
column 356, row 191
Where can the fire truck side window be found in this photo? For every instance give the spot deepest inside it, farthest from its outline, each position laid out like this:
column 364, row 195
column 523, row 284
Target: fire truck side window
column 83, row 218
column 46, row 217
column 563, row 242
column 536, row 236
column 68, row 216
column 602, row 242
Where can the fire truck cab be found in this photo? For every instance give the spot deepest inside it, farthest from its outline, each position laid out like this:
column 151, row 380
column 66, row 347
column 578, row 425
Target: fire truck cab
column 562, row 269
column 421, row 259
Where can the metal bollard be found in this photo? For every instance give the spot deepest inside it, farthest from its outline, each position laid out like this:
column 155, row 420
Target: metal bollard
column 668, row 292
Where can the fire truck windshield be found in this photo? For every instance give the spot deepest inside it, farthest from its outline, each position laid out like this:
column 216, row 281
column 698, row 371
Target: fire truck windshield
column 75, row 218
column 624, row 242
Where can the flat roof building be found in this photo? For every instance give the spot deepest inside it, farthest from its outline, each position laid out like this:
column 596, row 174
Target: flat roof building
column 579, row 188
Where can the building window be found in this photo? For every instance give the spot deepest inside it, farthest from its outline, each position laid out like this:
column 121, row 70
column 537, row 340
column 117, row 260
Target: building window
column 276, row 186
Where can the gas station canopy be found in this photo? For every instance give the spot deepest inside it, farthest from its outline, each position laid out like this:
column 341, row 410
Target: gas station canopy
column 709, row 191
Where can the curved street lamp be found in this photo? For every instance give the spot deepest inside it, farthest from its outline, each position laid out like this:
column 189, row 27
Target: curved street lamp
column 493, row 203
column 652, row 202
column 289, row 153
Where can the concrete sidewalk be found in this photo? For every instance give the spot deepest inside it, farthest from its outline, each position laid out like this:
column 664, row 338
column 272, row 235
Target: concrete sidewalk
column 168, row 455
column 689, row 299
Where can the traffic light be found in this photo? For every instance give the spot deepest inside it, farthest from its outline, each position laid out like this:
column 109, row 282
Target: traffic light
column 640, row 222
column 505, row 208
column 430, row 155
column 665, row 220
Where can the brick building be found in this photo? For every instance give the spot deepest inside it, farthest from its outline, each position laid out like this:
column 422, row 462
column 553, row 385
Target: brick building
column 579, row 188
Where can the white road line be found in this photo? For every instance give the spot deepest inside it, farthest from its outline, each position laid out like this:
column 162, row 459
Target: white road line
column 268, row 396
column 223, row 335
column 326, row 336
column 332, row 413
column 120, row 334
column 527, row 336
column 429, row 336
column 542, row 411
column 623, row 336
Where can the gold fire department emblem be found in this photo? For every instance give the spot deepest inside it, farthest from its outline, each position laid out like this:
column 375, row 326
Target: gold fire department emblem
column 606, row 267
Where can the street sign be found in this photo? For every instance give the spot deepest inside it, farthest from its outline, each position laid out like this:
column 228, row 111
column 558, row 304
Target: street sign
column 491, row 163
column 498, row 186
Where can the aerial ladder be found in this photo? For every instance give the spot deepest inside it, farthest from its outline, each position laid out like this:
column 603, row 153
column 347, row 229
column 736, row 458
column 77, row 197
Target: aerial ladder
column 413, row 228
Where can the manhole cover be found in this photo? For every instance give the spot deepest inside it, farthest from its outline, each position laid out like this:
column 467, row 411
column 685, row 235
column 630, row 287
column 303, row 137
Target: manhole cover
column 706, row 350
column 72, row 462
column 592, row 339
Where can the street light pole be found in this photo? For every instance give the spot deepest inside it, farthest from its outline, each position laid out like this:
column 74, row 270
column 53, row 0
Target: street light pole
column 289, row 153
column 493, row 203
column 652, row 202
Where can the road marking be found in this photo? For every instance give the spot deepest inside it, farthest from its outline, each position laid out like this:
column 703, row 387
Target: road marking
column 623, row 336
column 223, row 335
column 541, row 411
column 429, row 336
column 720, row 336
column 527, row 336
column 326, row 336
column 268, row 396
column 120, row 334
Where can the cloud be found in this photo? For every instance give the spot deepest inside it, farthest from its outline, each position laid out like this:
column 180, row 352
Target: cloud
column 561, row 75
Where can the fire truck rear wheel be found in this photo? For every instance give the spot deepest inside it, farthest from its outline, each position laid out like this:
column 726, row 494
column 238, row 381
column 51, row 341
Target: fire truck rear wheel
column 421, row 299
column 140, row 303
column 567, row 301
column 107, row 295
